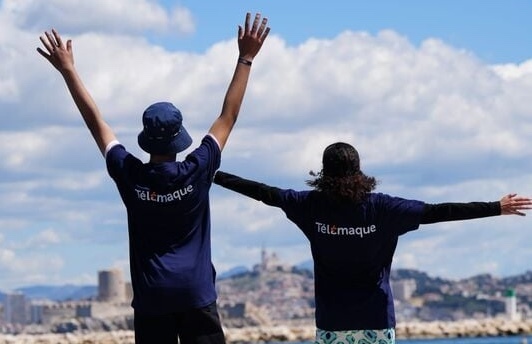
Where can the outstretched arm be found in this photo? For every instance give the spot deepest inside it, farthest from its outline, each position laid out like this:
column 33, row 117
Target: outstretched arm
column 61, row 57
column 261, row 192
column 250, row 40
column 510, row 204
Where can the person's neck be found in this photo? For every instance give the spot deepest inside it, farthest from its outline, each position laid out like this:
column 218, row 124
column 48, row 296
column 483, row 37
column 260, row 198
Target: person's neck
column 158, row 158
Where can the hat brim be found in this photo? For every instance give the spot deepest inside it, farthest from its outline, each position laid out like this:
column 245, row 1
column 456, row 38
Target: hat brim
column 177, row 144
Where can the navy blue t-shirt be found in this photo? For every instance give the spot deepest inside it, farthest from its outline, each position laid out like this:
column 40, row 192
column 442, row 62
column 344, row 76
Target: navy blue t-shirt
column 169, row 227
column 352, row 247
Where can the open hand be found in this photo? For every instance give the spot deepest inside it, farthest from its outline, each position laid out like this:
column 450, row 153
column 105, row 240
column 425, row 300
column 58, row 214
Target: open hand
column 250, row 39
column 511, row 204
column 57, row 53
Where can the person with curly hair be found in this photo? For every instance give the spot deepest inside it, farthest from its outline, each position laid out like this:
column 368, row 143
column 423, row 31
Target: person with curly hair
column 353, row 234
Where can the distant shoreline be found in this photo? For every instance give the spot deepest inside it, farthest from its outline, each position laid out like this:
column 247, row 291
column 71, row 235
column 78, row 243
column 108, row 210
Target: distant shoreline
column 492, row 327
column 411, row 330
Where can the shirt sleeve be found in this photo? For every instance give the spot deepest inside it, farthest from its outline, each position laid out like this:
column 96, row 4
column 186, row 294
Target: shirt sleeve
column 115, row 158
column 109, row 146
column 400, row 214
column 208, row 156
column 261, row 192
column 443, row 212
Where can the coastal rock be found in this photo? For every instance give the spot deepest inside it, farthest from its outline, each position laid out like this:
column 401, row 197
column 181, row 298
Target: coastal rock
column 115, row 337
column 464, row 328
column 299, row 333
column 270, row 333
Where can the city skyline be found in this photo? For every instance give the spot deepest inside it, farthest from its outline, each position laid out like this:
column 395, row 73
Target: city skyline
column 267, row 260
column 278, row 289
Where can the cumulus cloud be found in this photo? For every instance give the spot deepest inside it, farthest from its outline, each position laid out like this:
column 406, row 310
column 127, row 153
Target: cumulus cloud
column 242, row 228
column 29, row 268
column 120, row 16
column 430, row 121
column 43, row 239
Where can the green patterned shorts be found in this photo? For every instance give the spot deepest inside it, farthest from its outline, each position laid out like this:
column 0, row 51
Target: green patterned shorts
column 386, row 336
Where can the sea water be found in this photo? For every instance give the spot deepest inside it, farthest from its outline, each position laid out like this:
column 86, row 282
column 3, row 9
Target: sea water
column 480, row 340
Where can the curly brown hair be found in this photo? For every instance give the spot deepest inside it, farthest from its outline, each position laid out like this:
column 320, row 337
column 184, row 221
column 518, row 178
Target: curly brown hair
column 350, row 188
column 340, row 177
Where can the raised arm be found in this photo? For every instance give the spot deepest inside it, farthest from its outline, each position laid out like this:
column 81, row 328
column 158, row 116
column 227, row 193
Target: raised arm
column 261, row 192
column 510, row 204
column 61, row 57
column 250, row 40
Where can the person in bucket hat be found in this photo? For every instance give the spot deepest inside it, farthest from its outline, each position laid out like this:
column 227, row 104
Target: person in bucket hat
column 167, row 201
column 353, row 233
column 163, row 131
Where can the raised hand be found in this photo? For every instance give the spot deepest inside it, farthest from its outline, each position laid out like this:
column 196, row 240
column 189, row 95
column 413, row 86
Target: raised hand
column 57, row 53
column 250, row 39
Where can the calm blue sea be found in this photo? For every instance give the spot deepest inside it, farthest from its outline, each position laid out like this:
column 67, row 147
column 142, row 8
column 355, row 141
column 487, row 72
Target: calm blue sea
column 484, row 340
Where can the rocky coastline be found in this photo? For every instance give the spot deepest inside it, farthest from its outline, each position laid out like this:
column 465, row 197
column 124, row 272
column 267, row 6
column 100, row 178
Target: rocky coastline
column 465, row 328
column 411, row 330
column 284, row 333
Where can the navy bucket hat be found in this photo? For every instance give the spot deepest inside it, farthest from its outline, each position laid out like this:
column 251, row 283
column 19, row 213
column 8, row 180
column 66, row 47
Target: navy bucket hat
column 163, row 131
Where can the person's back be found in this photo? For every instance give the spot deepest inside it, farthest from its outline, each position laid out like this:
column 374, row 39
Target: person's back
column 167, row 202
column 169, row 227
column 352, row 245
column 353, row 233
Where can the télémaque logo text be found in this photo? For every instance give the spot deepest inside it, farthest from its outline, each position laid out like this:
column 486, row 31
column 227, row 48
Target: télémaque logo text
column 152, row 196
column 337, row 230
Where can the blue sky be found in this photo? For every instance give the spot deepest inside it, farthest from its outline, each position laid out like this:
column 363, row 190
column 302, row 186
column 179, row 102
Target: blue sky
column 435, row 95
column 496, row 31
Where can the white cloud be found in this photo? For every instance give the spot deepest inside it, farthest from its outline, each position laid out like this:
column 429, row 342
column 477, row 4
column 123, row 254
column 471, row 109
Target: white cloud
column 79, row 279
column 29, row 268
column 43, row 239
column 7, row 223
column 118, row 16
column 430, row 121
column 20, row 148
column 6, row 256
column 182, row 20
column 514, row 71
column 8, row 89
